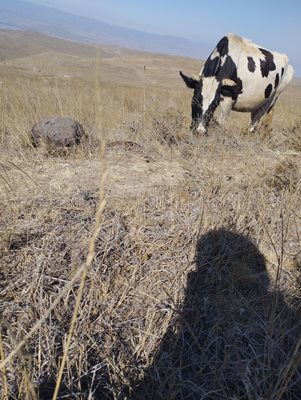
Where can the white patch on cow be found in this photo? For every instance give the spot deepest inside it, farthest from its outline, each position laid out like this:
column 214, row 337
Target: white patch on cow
column 254, row 84
column 196, row 77
column 223, row 59
column 214, row 54
column 210, row 85
column 228, row 82
column 286, row 79
column 209, row 89
column 201, row 128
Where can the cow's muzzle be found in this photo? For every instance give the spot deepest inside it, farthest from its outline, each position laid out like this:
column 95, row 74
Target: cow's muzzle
column 201, row 129
column 198, row 129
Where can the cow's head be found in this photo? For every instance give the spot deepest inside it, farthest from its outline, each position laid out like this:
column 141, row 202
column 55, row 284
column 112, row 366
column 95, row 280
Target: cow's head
column 206, row 97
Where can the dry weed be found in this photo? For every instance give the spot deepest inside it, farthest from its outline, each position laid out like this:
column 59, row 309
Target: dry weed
column 292, row 135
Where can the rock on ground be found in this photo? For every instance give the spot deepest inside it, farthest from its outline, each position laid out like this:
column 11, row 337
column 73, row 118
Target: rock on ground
column 58, row 131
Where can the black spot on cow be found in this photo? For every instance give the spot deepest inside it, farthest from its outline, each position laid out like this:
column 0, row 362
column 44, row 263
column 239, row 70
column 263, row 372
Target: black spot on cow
column 267, row 64
column 251, row 64
column 197, row 105
column 211, row 66
column 282, row 72
column 268, row 90
column 228, row 91
column 229, row 70
column 223, row 46
column 276, row 81
column 209, row 113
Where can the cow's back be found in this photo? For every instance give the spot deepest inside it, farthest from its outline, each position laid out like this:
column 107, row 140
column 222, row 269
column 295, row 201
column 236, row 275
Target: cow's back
column 259, row 73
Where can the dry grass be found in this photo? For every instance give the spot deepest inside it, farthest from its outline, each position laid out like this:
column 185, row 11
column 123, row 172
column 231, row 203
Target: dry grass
column 194, row 288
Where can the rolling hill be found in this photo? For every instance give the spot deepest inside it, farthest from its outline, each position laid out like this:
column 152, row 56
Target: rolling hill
column 17, row 14
column 36, row 53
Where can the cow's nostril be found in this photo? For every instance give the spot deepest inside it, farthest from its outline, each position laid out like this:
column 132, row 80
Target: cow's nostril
column 201, row 129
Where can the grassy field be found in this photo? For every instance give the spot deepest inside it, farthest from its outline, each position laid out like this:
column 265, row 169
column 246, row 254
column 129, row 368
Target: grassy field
column 146, row 263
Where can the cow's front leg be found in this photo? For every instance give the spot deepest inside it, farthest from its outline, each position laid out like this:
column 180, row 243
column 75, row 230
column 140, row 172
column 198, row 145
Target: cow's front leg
column 226, row 104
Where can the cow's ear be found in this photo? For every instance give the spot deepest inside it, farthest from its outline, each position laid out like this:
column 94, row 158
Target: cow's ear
column 190, row 82
column 228, row 88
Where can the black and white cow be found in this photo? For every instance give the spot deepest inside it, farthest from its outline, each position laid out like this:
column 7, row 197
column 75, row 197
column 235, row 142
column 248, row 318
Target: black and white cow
column 241, row 76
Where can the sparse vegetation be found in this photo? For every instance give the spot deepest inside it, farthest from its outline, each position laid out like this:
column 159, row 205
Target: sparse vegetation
column 192, row 290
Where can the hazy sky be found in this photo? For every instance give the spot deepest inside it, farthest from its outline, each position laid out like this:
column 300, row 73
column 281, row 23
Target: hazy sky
column 271, row 23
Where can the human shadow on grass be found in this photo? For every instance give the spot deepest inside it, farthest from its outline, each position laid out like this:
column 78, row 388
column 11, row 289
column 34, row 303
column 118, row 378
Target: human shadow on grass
column 234, row 336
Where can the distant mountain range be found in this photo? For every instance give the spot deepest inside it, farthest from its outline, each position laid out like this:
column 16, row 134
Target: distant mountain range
column 15, row 14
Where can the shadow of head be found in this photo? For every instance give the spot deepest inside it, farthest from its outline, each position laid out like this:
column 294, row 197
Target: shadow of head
column 229, row 338
column 225, row 294
column 228, row 265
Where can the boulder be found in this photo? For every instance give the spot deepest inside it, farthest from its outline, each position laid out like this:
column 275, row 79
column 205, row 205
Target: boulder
column 57, row 131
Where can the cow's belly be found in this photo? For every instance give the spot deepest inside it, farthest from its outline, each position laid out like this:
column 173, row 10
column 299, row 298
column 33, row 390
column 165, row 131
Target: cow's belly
column 252, row 97
column 248, row 104
column 256, row 90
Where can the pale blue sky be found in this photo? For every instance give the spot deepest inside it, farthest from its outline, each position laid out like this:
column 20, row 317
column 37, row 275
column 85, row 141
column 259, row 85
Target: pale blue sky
column 273, row 24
